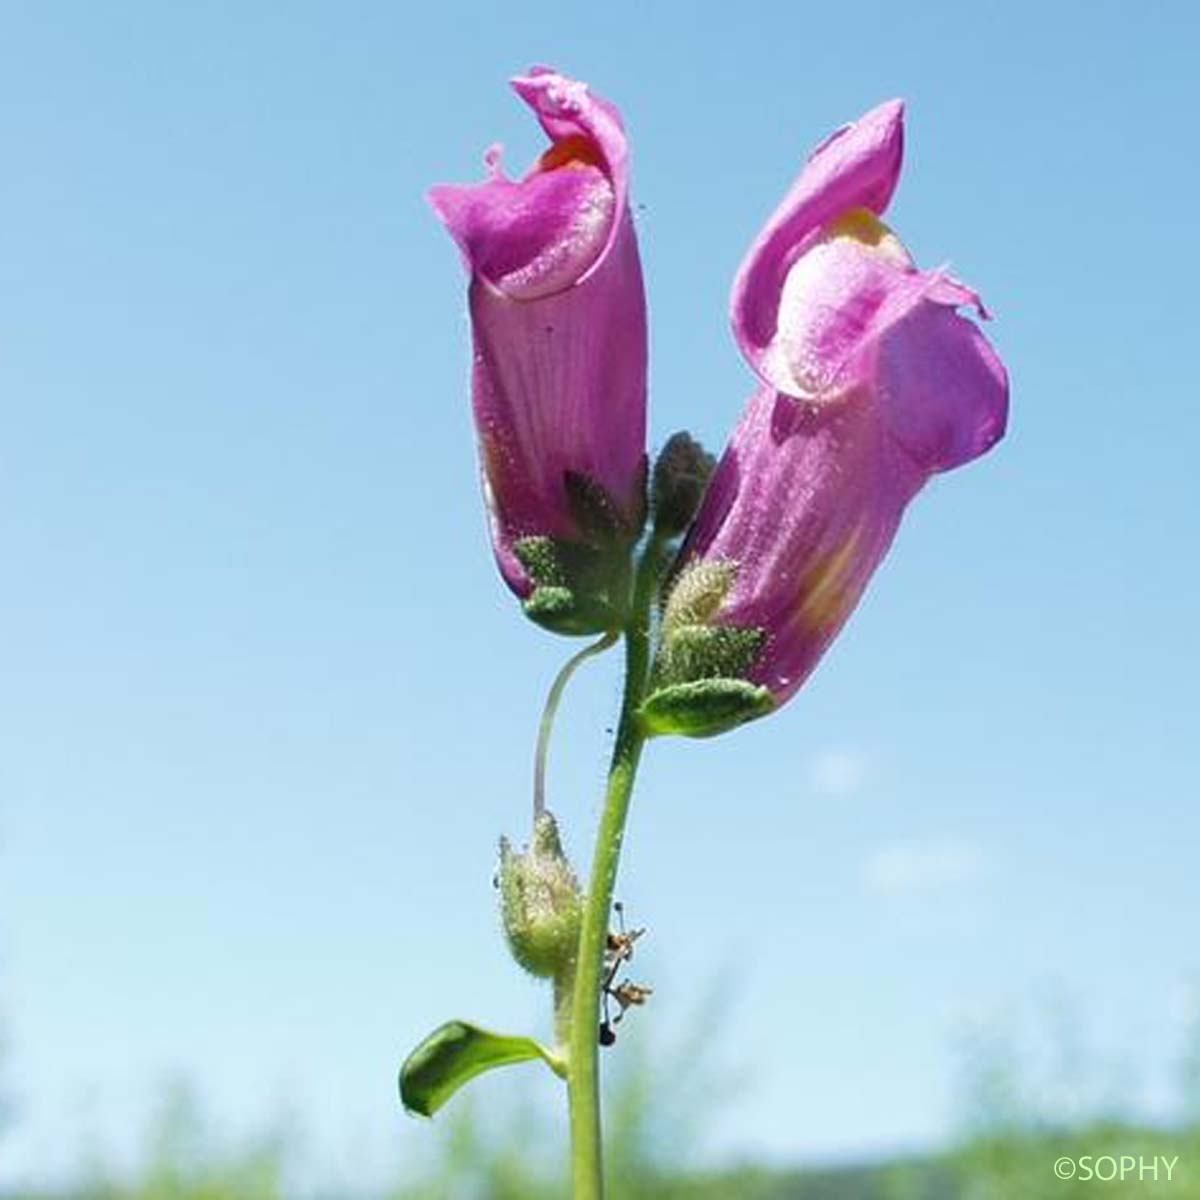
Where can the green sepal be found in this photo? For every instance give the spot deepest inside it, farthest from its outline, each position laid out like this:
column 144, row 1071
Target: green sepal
column 578, row 588
column 581, row 583
column 453, row 1054
column 556, row 609
column 698, row 684
column 542, row 559
column 704, row 707
column 695, row 652
column 695, row 594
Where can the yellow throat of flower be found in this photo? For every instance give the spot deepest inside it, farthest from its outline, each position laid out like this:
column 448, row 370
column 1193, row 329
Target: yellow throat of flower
column 863, row 226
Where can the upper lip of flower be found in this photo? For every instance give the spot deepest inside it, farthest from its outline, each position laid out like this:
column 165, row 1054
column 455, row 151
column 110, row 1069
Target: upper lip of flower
column 857, row 167
column 541, row 232
column 566, row 106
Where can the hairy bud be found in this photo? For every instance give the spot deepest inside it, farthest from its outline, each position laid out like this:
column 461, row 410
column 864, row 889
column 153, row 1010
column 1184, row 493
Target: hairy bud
column 681, row 475
column 540, row 902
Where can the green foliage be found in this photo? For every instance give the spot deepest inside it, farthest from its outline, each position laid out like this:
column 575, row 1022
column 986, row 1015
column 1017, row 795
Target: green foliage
column 695, row 652
column 698, row 686
column 660, row 1096
column 581, row 582
column 181, row 1164
column 1016, row 1122
column 704, row 708
column 452, row 1055
column 485, row 1160
column 578, row 588
column 1020, row 1116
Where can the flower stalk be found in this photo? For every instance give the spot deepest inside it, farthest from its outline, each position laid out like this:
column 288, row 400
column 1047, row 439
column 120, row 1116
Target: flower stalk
column 546, row 726
column 583, row 1067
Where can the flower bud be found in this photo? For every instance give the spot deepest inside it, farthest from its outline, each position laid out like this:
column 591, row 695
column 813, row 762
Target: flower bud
column 680, row 476
column 540, row 901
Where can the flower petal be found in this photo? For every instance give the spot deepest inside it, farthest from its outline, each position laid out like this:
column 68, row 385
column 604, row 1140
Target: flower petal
column 533, row 238
column 567, row 108
column 559, row 384
column 838, row 299
column 855, row 168
column 803, row 505
column 941, row 387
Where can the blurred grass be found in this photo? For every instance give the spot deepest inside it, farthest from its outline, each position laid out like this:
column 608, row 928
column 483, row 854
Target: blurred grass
column 1014, row 1123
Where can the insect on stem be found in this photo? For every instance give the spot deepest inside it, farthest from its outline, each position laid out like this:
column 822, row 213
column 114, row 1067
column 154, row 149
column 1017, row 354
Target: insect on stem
column 618, row 949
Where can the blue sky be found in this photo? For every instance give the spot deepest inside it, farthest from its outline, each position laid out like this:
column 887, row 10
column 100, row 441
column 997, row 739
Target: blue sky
column 265, row 706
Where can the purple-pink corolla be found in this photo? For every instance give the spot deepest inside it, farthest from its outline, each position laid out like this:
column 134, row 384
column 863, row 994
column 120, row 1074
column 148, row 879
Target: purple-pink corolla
column 558, row 320
column 870, row 383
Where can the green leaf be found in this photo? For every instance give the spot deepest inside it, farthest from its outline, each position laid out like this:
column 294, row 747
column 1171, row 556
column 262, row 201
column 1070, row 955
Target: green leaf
column 704, row 708
column 453, row 1054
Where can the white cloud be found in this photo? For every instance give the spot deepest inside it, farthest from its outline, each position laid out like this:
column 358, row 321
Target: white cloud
column 922, row 865
column 837, row 773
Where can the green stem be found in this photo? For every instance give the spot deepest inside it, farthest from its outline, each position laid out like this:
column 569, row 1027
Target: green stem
column 583, row 1070
column 564, row 997
column 556, row 690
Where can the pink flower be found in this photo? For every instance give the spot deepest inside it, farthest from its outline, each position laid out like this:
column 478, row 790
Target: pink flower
column 870, row 383
column 558, row 320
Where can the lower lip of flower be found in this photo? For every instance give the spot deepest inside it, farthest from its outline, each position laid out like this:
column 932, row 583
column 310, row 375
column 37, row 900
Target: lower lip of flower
column 576, row 245
column 830, row 297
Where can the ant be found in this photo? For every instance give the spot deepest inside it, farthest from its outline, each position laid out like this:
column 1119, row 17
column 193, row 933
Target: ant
column 618, row 949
